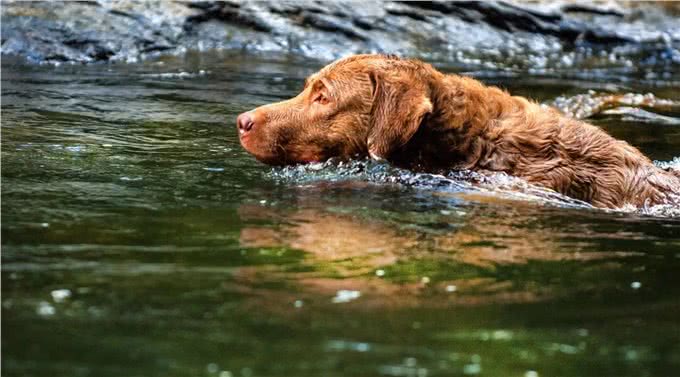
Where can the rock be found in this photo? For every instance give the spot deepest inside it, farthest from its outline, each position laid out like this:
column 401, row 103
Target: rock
column 90, row 31
column 512, row 18
column 470, row 34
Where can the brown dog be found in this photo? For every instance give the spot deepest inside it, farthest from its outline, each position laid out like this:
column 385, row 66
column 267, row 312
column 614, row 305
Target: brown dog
column 414, row 116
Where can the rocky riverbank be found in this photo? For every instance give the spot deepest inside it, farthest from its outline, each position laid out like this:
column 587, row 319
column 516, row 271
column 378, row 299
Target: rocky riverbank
column 636, row 38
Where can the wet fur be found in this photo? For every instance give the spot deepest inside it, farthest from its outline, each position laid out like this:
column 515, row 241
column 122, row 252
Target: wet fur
column 414, row 116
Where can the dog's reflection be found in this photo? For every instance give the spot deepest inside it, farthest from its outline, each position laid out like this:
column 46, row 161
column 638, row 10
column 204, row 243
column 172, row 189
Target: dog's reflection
column 328, row 237
column 352, row 252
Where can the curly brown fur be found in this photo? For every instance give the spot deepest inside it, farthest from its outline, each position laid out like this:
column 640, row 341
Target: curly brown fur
column 414, row 116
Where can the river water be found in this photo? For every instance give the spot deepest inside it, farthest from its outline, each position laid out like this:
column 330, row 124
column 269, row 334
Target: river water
column 139, row 239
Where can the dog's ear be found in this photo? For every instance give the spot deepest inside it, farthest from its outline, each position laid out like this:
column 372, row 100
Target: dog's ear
column 399, row 107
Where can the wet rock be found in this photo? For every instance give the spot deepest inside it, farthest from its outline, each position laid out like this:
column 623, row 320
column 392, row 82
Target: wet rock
column 90, row 31
column 228, row 13
column 512, row 18
column 500, row 35
column 589, row 8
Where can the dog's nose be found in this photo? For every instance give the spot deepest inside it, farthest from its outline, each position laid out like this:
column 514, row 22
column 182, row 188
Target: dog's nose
column 244, row 122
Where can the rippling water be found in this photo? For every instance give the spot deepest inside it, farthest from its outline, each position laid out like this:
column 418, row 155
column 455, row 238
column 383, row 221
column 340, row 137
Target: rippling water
column 138, row 238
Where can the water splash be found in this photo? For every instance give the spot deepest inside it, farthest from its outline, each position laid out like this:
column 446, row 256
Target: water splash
column 464, row 182
column 459, row 181
column 177, row 75
column 664, row 210
column 582, row 106
column 672, row 164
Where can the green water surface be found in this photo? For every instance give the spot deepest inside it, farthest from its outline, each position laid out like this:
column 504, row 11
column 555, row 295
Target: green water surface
column 139, row 239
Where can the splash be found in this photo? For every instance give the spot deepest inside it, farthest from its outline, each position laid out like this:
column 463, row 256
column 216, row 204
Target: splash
column 673, row 164
column 582, row 106
column 464, row 182
column 665, row 210
column 460, row 181
column 177, row 75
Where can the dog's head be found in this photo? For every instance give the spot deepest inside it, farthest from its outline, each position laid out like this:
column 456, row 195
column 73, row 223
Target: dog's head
column 358, row 106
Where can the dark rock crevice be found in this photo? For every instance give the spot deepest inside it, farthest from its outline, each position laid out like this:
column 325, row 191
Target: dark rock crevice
column 474, row 33
column 225, row 12
column 513, row 18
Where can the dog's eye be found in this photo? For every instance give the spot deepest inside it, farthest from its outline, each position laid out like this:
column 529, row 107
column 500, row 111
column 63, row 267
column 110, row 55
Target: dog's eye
column 321, row 99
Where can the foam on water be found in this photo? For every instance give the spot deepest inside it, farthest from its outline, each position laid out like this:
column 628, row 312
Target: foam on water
column 582, row 106
column 665, row 210
column 672, row 164
column 177, row 75
column 459, row 181
column 498, row 185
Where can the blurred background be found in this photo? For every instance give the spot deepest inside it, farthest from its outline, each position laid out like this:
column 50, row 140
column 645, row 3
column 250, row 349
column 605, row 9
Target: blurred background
column 139, row 239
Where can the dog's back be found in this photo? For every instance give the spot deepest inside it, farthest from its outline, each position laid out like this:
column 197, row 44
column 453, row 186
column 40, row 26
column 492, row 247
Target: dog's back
column 499, row 132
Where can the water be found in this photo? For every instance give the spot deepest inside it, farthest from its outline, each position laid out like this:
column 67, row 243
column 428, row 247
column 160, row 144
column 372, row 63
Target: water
column 138, row 238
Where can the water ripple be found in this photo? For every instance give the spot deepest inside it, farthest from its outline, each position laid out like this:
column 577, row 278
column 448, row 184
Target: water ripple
column 465, row 183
